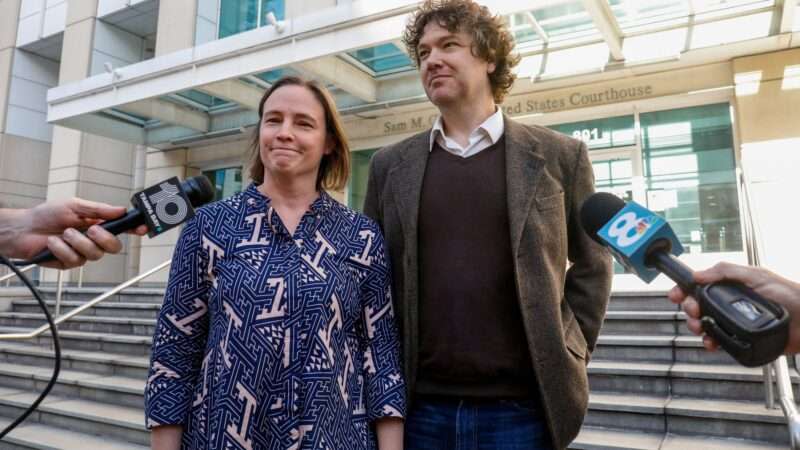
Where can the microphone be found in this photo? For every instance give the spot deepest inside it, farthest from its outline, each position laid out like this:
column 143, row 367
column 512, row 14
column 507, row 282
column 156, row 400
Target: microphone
column 162, row 207
column 752, row 329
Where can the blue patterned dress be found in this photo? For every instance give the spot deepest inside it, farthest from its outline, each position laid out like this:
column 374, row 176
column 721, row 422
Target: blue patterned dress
column 272, row 341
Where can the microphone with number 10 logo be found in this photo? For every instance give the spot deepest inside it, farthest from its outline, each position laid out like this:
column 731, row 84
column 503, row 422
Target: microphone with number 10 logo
column 162, row 207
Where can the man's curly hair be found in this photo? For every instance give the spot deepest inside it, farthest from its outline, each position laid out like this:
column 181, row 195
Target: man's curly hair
column 492, row 41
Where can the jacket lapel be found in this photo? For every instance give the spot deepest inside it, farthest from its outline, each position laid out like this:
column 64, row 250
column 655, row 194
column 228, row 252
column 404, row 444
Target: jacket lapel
column 406, row 179
column 523, row 168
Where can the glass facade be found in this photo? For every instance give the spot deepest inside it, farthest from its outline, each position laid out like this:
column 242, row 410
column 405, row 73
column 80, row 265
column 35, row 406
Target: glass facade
column 201, row 98
column 357, row 186
column 653, row 13
column 236, row 16
column 227, row 181
column 275, row 74
column 602, row 133
column 683, row 168
column 560, row 21
column 383, row 58
column 690, row 175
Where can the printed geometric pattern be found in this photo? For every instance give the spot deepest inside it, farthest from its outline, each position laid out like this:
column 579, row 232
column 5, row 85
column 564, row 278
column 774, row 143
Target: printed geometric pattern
column 271, row 341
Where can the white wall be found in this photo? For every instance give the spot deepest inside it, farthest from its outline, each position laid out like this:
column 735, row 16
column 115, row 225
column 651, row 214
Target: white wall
column 23, row 171
column 39, row 19
column 207, row 16
column 105, row 7
column 114, row 45
column 31, row 77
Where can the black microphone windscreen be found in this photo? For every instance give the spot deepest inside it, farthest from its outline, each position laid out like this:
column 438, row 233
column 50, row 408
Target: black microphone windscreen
column 597, row 210
column 199, row 190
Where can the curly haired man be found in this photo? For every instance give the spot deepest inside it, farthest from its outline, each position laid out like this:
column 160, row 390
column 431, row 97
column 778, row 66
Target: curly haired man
column 499, row 293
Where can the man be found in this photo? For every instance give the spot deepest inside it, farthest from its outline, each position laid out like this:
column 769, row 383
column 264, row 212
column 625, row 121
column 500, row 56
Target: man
column 481, row 217
column 763, row 282
column 54, row 225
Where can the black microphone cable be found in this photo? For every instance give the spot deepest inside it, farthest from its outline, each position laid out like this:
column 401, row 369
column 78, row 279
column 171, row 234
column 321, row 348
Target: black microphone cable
column 56, row 347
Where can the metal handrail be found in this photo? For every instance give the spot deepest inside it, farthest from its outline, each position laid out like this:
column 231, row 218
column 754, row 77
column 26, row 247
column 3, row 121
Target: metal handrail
column 88, row 304
column 776, row 372
column 11, row 275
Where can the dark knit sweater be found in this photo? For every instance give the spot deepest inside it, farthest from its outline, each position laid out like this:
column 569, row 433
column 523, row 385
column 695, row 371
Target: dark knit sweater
column 472, row 341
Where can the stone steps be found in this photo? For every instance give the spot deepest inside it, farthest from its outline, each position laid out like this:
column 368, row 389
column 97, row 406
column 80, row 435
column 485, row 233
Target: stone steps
column 653, row 386
column 93, row 324
column 709, row 381
column 110, row 309
column 108, row 364
column 688, row 416
column 34, row 436
column 96, row 342
column 122, row 423
column 641, row 301
column 130, row 295
column 117, row 390
column 593, row 438
column 657, row 348
column 645, row 322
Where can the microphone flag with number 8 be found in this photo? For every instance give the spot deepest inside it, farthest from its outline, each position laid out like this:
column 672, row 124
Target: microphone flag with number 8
column 631, row 233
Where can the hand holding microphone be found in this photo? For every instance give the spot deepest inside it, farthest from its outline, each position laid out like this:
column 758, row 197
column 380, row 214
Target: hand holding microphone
column 762, row 281
column 753, row 329
column 156, row 210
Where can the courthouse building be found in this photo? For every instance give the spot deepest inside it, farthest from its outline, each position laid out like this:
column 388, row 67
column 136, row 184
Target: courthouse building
column 676, row 99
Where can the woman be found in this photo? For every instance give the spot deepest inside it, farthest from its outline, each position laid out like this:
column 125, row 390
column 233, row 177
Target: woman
column 277, row 329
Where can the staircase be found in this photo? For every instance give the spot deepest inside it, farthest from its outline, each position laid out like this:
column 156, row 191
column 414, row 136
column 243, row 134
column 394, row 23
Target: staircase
column 98, row 400
column 653, row 384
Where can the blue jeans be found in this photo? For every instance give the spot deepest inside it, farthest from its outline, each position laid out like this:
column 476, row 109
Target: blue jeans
column 436, row 423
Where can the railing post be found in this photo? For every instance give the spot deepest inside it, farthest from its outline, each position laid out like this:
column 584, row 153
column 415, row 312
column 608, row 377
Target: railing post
column 58, row 292
column 769, row 389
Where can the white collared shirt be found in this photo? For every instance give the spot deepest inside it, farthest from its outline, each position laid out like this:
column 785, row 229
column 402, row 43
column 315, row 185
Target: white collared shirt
column 481, row 138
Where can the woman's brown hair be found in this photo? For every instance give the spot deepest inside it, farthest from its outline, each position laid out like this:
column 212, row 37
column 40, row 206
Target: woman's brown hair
column 334, row 168
column 491, row 39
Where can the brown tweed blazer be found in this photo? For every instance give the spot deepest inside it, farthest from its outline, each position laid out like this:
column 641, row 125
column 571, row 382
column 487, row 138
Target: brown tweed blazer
column 548, row 176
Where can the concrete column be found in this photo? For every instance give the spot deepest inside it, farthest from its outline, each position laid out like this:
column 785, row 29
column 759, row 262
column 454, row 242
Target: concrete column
column 160, row 166
column 135, row 242
column 82, row 164
column 206, row 28
column 8, row 39
column 767, row 95
column 177, row 20
column 24, row 133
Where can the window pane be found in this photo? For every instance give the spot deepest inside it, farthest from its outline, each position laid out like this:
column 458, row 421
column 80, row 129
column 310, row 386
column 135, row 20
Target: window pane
column 275, row 74
column 383, row 58
column 226, row 181
column 521, row 27
column 272, row 6
column 614, row 176
column 357, row 186
column 201, row 98
column 566, row 19
column 690, row 177
column 601, row 133
column 236, row 16
column 645, row 14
